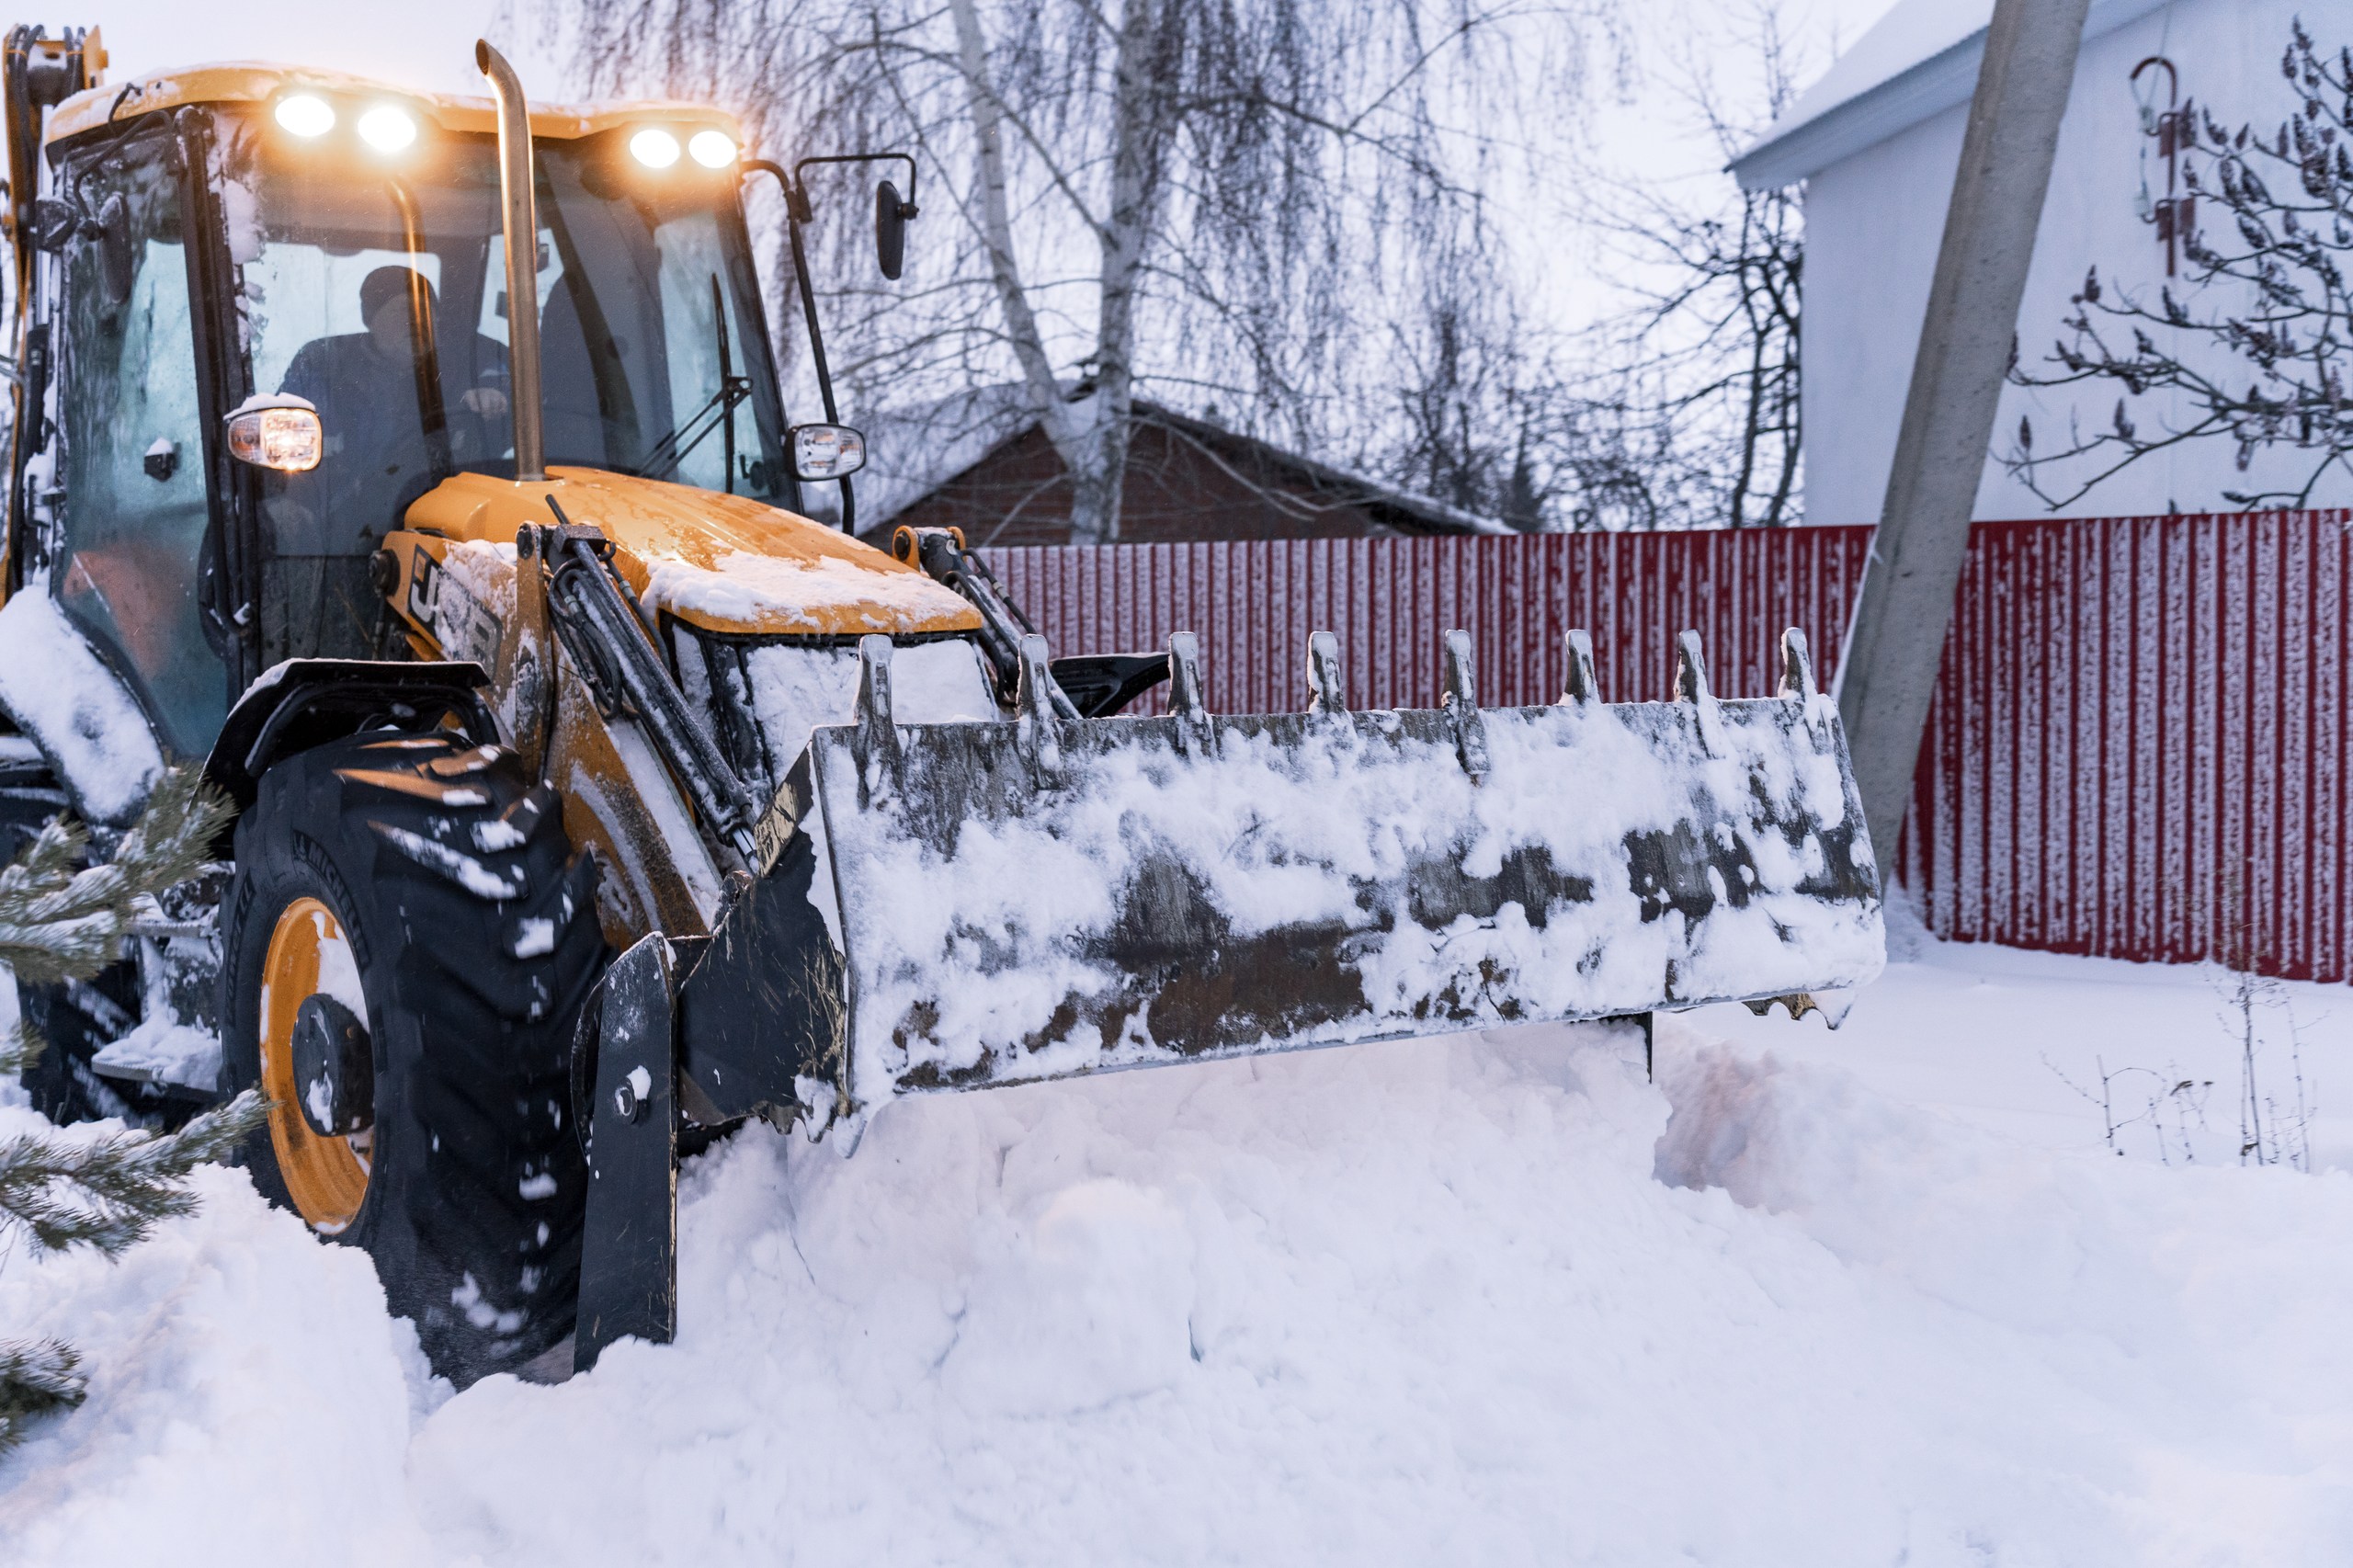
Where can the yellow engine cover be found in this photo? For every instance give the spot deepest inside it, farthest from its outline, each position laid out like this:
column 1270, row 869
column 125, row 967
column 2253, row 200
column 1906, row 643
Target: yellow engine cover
column 721, row 562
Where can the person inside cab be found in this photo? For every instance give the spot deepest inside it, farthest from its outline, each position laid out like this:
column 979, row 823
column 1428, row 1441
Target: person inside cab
column 401, row 412
column 383, row 396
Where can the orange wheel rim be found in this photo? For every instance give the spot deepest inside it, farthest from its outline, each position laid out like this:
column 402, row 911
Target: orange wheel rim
column 326, row 1177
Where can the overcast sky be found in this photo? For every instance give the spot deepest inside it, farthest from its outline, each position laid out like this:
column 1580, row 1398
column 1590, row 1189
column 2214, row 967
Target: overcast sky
column 1639, row 126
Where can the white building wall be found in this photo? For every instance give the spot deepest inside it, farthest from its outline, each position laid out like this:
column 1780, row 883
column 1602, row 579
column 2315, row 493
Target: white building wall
column 1874, row 221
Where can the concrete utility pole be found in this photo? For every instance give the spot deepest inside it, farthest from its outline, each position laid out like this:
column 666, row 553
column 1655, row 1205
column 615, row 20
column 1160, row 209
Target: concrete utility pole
column 1890, row 669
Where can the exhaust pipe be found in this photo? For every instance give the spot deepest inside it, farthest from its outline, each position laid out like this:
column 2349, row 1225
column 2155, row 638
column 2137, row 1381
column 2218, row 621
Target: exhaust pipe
column 519, row 218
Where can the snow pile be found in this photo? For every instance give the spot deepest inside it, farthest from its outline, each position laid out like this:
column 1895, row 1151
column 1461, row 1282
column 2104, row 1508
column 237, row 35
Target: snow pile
column 76, row 710
column 1492, row 1298
column 249, row 1400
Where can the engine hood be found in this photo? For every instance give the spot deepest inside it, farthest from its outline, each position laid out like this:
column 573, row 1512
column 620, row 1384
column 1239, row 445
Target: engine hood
column 721, row 562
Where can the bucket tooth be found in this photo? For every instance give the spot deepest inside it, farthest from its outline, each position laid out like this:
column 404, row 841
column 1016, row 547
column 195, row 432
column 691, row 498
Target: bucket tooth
column 1326, row 692
column 1461, row 703
column 875, row 741
column 1187, row 702
column 1692, row 687
column 1186, row 697
column 1582, row 686
column 1034, row 705
column 1692, row 671
column 1797, row 666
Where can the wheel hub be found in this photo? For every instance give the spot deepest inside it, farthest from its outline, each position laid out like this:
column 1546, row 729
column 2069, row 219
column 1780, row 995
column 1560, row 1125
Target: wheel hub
column 310, row 961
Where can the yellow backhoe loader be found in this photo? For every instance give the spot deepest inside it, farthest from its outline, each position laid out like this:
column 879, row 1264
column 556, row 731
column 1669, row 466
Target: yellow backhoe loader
column 418, row 467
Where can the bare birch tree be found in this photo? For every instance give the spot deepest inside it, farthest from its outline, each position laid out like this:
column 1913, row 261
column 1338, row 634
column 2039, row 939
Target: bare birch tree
column 1224, row 202
column 1718, row 335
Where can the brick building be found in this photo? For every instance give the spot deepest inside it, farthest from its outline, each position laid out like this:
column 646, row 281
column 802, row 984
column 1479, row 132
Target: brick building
column 980, row 462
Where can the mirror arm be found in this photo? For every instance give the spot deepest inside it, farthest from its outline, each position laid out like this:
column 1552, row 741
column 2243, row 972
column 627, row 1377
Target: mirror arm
column 797, row 212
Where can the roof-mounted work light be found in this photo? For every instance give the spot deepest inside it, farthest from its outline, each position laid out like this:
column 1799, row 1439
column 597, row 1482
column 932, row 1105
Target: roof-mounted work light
column 654, row 147
column 388, row 128
column 304, row 114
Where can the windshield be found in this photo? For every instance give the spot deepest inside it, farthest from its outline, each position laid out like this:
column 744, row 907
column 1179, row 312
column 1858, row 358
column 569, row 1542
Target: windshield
column 379, row 292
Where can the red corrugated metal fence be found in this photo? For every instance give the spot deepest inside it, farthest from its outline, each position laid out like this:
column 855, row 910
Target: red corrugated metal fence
column 1255, row 601
column 2139, row 745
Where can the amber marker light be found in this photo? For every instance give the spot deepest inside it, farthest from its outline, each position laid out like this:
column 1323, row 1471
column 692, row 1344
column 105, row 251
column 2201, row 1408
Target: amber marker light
column 711, row 149
column 388, row 128
column 304, row 114
column 654, row 147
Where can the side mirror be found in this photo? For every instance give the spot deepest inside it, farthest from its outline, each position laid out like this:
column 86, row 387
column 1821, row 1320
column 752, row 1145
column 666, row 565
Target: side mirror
column 891, row 216
column 276, row 432
column 825, row 451
column 53, row 223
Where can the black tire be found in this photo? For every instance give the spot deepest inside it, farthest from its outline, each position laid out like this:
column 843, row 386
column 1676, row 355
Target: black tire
column 76, row 1019
column 475, row 951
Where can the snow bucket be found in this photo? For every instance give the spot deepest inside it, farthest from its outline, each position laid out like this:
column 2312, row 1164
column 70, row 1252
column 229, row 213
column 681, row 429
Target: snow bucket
column 951, row 907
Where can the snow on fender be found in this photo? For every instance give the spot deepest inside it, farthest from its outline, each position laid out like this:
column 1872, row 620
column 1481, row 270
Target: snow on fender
column 77, row 711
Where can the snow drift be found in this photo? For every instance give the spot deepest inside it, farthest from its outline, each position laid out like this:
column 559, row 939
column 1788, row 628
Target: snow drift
column 1493, row 1299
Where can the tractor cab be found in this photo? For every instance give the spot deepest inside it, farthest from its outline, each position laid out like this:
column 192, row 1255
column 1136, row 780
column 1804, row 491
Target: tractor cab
column 327, row 255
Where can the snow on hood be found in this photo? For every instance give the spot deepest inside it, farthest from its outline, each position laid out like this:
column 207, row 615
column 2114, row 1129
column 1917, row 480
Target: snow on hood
column 824, row 594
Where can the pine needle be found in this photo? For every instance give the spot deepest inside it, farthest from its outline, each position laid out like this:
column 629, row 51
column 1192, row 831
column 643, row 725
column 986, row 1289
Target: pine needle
column 57, row 923
column 20, row 1049
column 36, row 1378
column 111, row 1192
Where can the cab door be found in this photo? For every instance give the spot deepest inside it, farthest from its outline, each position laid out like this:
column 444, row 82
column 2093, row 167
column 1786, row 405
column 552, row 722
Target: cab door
column 136, row 526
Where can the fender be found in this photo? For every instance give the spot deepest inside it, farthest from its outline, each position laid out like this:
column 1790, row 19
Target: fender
column 301, row 703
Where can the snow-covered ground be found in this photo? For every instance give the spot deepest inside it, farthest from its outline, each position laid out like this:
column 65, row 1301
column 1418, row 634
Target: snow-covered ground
column 1877, row 1297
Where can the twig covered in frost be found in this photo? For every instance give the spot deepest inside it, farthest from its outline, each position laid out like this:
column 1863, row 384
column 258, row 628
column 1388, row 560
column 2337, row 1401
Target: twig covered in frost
column 2186, row 1097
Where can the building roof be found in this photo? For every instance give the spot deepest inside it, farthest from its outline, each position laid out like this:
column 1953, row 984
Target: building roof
column 1917, row 60
column 915, row 453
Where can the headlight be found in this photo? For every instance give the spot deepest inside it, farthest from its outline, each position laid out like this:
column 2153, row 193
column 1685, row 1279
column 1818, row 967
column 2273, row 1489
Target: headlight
column 387, row 129
column 305, row 114
column 281, row 432
column 711, row 149
column 654, row 147
column 827, row 451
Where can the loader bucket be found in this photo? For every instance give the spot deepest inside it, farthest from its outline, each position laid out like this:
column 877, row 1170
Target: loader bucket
column 1009, row 902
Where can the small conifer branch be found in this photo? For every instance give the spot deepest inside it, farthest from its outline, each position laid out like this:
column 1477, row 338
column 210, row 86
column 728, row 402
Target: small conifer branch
column 36, row 1378
column 59, row 920
column 110, row 1192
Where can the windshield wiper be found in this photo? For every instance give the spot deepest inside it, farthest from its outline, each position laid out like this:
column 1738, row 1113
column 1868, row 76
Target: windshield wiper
column 672, row 449
column 718, row 410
